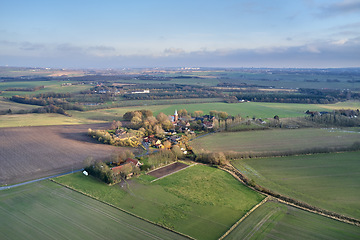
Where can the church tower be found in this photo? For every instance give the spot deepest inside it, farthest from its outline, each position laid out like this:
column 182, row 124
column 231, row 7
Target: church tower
column 176, row 116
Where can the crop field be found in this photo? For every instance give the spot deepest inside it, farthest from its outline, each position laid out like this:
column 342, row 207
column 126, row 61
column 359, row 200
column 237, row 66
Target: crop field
column 330, row 181
column 274, row 220
column 46, row 210
column 33, row 152
column 199, row 201
column 276, row 140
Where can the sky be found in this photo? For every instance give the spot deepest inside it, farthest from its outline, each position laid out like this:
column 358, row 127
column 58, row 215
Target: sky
column 168, row 33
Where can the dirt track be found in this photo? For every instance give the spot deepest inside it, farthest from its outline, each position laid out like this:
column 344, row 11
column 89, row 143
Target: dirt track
column 28, row 153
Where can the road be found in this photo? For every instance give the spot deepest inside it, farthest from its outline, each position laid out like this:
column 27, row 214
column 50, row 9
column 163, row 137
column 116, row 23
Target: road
column 37, row 180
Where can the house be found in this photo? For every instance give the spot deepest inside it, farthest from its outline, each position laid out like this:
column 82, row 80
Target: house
column 135, row 162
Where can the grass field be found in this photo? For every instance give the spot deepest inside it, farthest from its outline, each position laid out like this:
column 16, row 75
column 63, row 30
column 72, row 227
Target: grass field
column 330, row 181
column 40, row 119
column 45, row 210
column 276, row 140
column 199, row 201
column 274, row 220
column 260, row 110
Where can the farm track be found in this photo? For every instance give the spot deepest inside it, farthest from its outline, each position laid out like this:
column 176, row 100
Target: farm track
column 29, row 153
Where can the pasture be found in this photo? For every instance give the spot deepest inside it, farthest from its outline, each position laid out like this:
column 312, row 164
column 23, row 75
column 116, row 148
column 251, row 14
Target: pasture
column 330, row 181
column 276, row 140
column 33, row 152
column 274, row 220
column 46, row 210
column 199, row 201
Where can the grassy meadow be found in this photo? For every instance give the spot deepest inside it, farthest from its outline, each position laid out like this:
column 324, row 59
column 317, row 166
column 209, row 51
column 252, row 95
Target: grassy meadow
column 14, row 106
column 276, row 140
column 43, row 119
column 330, row 181
column 200, row 201
column 274, row 220
column 46, row 210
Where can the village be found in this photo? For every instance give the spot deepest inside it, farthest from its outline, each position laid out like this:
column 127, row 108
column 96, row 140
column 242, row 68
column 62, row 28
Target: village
column 152, row 135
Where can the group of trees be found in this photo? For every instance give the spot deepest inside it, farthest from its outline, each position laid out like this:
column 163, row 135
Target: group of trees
column 144, row 121
column 341, row 118
column 53, row 105
column 131, row 140
column 100, row 170
column 213, row 158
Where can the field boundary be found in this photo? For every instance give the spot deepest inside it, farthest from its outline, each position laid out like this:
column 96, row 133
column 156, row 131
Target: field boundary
column 289, row 201
column 123, row 210
column 243, row 217
column 173, row 172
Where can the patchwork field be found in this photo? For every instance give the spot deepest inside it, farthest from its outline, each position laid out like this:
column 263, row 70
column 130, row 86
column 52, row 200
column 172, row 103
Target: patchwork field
column 31, row 152
column 330, row 181
column 199, row 201
column 45, row 210
column 276, row 140
column 274, row 220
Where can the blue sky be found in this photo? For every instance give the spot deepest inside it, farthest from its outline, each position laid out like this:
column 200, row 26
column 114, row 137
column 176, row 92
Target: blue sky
column 167, row 33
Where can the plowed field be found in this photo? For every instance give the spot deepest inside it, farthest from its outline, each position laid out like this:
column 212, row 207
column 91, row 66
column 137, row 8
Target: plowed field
column 28, row 153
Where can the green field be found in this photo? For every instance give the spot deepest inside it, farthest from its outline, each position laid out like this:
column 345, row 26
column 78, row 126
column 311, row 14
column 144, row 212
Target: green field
column 200, row 201
column 274, row 220
column 45, row 210
column 276, row 140
column 330, row 181
column 43, row 119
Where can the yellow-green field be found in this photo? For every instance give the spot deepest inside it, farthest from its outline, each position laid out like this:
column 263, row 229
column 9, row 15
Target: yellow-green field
column 43, row 119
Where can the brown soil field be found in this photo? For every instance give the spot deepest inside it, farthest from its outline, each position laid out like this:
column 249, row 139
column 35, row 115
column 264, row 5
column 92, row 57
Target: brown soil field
column 168, row 169
column 28, row 153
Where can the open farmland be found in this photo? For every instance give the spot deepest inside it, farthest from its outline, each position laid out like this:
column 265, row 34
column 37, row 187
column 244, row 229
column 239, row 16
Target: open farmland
column 330, row 181
column 40, row 119
column 276, row 140
column 199, row 201
column 274, row 220
column 33, row 152
column 46, row 210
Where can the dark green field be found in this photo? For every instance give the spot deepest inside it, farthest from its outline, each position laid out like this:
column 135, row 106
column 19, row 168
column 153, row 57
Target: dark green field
column 274, row 220
column 330, row 181
column 45, row 210
column 200, row 201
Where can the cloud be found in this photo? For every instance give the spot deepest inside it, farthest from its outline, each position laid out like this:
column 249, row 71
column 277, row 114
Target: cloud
column 340, row 8
column 173, row 51
column 102, row 48
column 27, row 46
